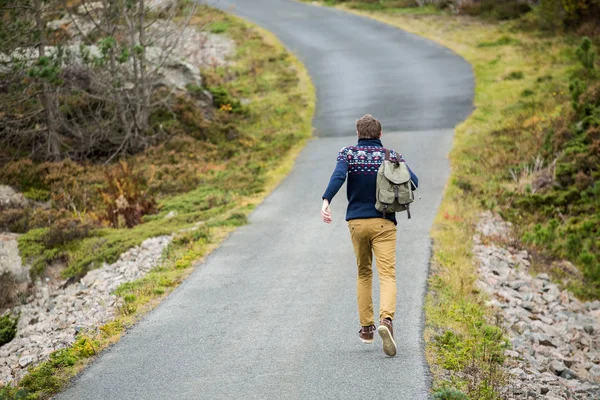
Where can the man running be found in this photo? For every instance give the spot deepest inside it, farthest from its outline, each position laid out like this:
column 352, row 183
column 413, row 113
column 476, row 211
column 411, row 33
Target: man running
column 369, row 230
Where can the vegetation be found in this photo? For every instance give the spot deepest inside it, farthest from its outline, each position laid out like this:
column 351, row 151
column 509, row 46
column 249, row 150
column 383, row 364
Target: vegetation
column 529, row 151
column 200, row 185
column 8, row 328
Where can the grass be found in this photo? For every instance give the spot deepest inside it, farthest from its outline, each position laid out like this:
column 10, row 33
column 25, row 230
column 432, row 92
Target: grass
column 270, row 131
column 522, row 81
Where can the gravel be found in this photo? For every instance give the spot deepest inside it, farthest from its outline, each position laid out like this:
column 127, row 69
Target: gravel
column 555, row 337
column 55, row 313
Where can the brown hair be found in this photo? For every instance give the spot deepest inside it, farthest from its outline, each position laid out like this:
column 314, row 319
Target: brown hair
column 368, row 127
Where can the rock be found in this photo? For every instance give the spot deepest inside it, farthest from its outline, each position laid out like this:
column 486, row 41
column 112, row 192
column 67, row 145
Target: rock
column 93, row 8
column 157, row 5
column 10, row 198
column 567, row 268
column 595, row 373
column 60, row 23
column 10, row 259
column 568, row 374
column 543, row 277
column 53, row 315
column 26, row 360
column 170, row 214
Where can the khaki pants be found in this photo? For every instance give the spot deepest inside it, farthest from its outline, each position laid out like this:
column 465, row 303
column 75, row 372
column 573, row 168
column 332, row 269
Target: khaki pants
column 375, row 235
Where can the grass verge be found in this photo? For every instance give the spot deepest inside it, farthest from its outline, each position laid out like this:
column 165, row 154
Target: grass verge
column 274, row 128
column 522, row 91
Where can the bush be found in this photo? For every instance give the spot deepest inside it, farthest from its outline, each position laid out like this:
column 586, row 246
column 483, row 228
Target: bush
column 449, row 394
column 556, row 15
column 496, row 9
column 8, row 328
column 66, row 230
column 223, row 100
column 125, row 198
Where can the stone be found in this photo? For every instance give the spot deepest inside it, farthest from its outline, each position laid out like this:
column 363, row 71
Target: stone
column 595, row 373
column 568, row 374
column 171, row 214
column 543, row 277
column 53, row 315
column 89, row 7
column 10, row 198
column 10, row 259
column 26, row 360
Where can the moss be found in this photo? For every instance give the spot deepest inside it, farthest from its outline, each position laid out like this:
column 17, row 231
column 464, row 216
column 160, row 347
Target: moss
column 8, row 328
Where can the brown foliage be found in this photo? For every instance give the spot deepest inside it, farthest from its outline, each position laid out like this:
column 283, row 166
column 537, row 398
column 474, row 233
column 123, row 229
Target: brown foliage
column 125, row 198
column 67, row 229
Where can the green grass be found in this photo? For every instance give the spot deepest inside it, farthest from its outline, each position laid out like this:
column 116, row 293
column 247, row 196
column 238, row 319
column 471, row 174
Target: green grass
column 269, row 134
column 389, row 6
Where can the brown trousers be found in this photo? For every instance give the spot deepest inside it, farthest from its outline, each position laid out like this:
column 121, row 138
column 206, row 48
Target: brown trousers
column 375, row 235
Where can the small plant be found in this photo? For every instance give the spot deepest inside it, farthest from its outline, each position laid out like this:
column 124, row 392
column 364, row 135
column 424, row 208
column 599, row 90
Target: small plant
column 515, row 75
column 223, row 100
column 219, row 27
column 503, row 41
column 124, row 196
column 449, row 394
column 8, row 328
column 586, row 56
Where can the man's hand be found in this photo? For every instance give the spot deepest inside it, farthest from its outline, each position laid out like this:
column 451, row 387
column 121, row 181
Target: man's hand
column 326, row 212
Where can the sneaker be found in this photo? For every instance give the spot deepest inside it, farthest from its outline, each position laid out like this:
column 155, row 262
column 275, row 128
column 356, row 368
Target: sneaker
column 386, row 331
column 366, row 334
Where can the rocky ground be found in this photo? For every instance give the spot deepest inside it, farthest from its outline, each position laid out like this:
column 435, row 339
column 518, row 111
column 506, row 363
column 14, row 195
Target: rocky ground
column 555, row 337
column 56, row 312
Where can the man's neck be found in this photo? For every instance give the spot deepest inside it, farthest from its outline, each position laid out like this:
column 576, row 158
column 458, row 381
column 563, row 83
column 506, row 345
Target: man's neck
column 370, row 142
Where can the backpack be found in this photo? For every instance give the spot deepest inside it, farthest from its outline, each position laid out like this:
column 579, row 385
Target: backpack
column 394, row 187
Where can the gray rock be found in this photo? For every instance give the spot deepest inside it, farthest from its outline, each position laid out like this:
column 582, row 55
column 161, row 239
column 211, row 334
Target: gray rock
column 568, row 374
column 557, row 367
column 595, row 373
column 26, row 360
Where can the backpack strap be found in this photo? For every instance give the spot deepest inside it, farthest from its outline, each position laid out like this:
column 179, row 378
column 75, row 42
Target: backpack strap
column 387, row 155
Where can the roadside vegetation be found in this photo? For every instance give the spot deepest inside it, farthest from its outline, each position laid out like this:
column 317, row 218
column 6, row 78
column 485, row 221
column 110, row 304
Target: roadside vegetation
column 530, row 151
column 199, row 179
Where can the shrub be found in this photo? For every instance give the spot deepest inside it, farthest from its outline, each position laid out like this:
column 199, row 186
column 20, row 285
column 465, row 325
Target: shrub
column 15, row 220
column 66, row 230
column 586, row 56
column 515, row 75
column 8, row 328
column 222, row 99
column 449, row 394
column 125, row 198
column 496, row 9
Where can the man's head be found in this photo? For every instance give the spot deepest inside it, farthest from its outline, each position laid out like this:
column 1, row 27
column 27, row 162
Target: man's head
column 368, row 127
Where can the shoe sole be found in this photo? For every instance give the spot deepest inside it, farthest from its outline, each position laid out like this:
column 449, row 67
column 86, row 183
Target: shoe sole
column 366, row 341
column 389, row 346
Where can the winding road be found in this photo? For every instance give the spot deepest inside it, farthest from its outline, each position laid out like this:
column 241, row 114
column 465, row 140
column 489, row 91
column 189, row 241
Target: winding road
column 272, row 313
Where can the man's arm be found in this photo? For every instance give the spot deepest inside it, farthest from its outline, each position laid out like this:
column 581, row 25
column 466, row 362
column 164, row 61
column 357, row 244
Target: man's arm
column 335, row 183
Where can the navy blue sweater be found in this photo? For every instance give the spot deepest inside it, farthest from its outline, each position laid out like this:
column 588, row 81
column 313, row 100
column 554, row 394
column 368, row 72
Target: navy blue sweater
column 361, row 163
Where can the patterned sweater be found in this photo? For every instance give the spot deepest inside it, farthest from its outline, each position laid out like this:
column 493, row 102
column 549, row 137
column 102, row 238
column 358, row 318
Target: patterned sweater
column 360, row 164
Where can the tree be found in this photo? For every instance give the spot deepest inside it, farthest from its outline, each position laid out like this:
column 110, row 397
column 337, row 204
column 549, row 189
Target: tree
column 89, row 90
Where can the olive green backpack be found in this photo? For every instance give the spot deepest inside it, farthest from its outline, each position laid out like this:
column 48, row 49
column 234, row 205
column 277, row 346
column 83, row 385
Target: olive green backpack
column 394, row 187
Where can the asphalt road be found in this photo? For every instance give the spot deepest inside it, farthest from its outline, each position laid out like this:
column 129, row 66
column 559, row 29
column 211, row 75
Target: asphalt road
column 272, row 313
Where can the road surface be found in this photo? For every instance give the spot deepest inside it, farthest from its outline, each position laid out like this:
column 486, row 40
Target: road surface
column 272, row 313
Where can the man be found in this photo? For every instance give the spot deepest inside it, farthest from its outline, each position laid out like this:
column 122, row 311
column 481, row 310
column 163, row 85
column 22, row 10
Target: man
column 370, row 231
